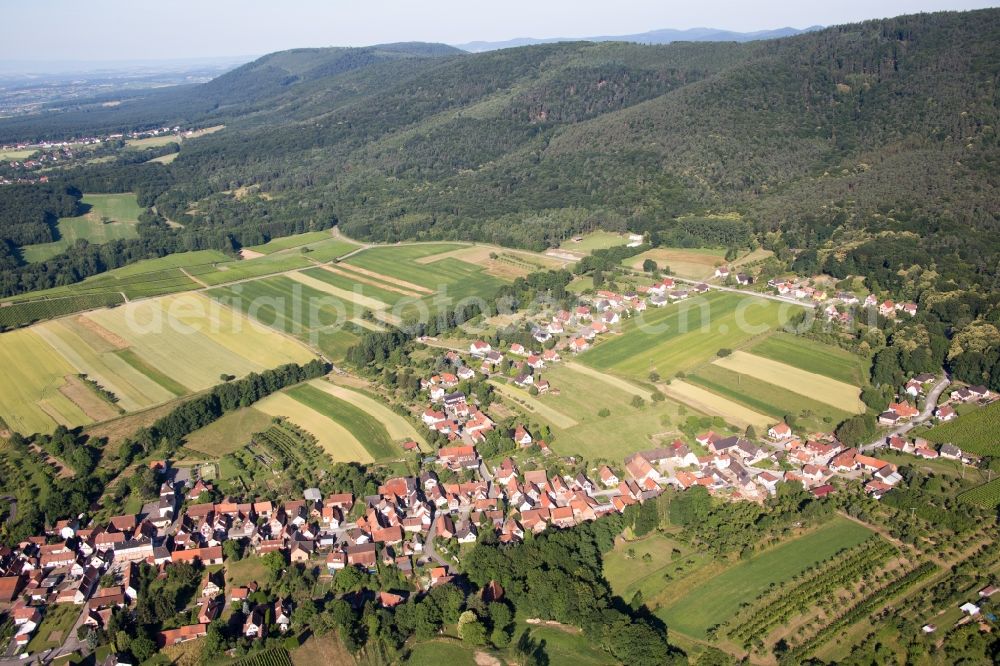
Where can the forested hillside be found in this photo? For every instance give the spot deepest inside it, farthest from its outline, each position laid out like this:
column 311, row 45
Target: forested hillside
column 877, row 139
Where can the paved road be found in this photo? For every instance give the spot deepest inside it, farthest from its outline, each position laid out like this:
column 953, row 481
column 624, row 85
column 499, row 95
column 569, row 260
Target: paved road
column 927, row 413
column 746, row 292
column 429, row 549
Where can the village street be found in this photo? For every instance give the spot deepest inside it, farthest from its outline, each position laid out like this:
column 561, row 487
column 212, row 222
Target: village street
column 927, row 413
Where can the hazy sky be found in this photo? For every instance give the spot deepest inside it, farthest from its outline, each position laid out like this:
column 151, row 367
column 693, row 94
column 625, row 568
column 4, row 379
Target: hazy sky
column 38, row 30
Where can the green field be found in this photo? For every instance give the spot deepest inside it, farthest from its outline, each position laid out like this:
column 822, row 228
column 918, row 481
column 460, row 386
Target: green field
column 232, row 271
column 397, row 426
column 229, row 433
column 153, row 373
column 442, row 651
column 573, row 415
column 717, row 598
column 345, row 283
column 813, row 356
column 122, row 211
column 284, row 304
column 766, row 398
column 298, row 240
column 334, row 343
column 650, row 564
column 457, row 279
column 682, row 336
column 55, row 627
column 372, row 434
column 975, row 432
column 14, row 154
column 987, row 495
column 597, row 240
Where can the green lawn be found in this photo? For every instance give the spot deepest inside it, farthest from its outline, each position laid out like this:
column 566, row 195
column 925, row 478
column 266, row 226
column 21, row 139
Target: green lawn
column 121, row 210
column 55, row 627
column 365, row 428
column 767, row 398
column 717, row 598
column 681, row 336
column 813, row 356
column 975, row 432
column 333, row 342
column 649, row 565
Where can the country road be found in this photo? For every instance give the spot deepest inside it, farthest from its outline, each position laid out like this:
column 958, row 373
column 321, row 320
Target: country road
column 927, row 413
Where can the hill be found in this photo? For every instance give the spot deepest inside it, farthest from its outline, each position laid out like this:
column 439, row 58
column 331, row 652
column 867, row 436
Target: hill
column 875, row 138
column 663, row 36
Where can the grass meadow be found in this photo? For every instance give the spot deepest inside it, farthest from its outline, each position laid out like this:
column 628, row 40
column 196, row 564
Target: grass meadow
column 717, row 598
column 122, row 211
column 682, row 336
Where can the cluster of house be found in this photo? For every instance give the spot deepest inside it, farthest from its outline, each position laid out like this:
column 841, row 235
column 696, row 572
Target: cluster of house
column 801, row 290
column 731, row 465
column 742, row 279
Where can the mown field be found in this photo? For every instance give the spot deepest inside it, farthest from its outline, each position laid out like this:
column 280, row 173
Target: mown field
column 395, row 425
column 229, row 433
column 717, row 598
column 596, row 240
column 121, row 209
column 681, row 336
column 399, row 266
column 975, row 432
column 649, row 564
column 338, row 442
column 299, row 240
column 812, row 356
column 146, row 353
column 693, row 264
column 284, row 304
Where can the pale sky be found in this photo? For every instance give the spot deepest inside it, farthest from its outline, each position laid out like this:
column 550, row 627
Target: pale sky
column 46, row 30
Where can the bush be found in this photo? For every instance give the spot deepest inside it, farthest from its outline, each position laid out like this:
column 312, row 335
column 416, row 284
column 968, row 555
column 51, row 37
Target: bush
column 604, row 412
column 722, row 353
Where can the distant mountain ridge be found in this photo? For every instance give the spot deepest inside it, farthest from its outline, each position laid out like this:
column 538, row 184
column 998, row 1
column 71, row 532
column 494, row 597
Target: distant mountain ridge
column 664, row 36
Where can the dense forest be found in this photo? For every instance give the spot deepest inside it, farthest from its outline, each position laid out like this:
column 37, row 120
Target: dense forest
column 859, row 137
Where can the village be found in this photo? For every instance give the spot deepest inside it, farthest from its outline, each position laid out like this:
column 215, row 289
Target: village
column 418, row 524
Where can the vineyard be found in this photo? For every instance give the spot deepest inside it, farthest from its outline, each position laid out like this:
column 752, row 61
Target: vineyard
column 858, row 611
column 986, row 495
column 283, row 447
column 27, row 312
column 811, row 588
column 272, row 657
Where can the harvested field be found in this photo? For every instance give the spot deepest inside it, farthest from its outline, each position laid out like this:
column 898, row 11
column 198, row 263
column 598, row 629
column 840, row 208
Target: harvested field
column 716, row 405
column 694, row 264
column 116, row 341
column 819, row 387
column 84, row 397
column 247, row 254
